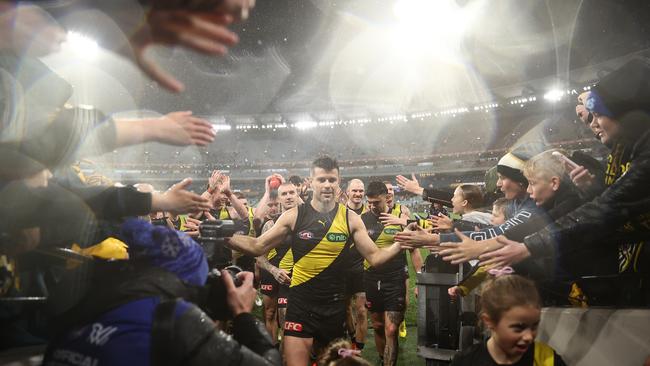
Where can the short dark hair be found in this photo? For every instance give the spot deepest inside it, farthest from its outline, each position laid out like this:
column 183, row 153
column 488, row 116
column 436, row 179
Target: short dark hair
column 295, row 180
column 273, row 195
column 376, row 188
column 473, row 194
column 326, row 163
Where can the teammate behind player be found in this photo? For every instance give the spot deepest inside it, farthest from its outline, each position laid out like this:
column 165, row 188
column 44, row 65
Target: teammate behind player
column 276, row 266
column 385, row 286
column 357, row 319
column 321, row 232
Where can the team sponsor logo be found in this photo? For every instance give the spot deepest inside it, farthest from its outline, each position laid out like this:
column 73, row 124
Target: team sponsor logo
column 100, row 334
column 337, row 237
column 266, row 287
column 391, row 231
column 305, row 235
column 282, row 300
column 296, row 327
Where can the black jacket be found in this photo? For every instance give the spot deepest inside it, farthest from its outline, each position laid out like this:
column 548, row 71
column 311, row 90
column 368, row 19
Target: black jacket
column 628, row 199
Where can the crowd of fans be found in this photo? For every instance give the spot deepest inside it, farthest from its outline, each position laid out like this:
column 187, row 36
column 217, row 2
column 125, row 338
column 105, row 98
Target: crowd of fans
column 147, row 271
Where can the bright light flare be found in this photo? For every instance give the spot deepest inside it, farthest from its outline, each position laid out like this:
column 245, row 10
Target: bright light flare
column 554, row 95
column 80, row 46
column 305, row 125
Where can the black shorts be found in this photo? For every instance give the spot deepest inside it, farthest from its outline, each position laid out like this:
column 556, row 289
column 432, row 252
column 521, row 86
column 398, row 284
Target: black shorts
column 385, row 295
column 354, row 282
column 268, row 285
column 283, row 296
column 324, row 322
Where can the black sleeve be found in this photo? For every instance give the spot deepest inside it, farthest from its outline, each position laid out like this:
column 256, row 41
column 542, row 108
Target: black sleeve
column 463, row 225
column 436, row 195
column 199, row 343
column 557, row 360
column 600, row 219
column 519, row 232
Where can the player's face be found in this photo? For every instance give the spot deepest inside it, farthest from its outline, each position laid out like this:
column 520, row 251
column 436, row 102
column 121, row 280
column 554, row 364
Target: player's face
column 218, row 200
column 273, row 207
column 355, row 192
column 377, row 204
column 244, row 201
column 516, row 330
column 325, row 184
column 288, row 196
column 390, row 195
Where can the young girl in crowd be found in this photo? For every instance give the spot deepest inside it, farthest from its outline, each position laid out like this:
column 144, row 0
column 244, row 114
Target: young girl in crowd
column 511, row 310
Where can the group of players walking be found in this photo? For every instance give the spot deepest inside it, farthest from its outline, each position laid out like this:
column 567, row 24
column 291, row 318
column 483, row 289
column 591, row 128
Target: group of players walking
column 323, row 262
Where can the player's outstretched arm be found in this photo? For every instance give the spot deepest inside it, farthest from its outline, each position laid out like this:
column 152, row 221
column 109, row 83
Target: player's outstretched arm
column 267, row 241
column 366, row 247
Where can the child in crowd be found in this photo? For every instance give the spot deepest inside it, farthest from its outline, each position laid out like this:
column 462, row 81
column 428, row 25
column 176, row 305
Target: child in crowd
column 511, row 310
column 340, row 353
column 498, row 218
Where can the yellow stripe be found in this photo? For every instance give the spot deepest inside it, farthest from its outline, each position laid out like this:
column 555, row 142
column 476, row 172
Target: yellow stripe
column 286, row 262
column 324, row 253
column 224, row 214
column 272, row 254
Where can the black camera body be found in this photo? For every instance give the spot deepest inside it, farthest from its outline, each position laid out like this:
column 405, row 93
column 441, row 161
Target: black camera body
column 213, row 296
column 212, row 239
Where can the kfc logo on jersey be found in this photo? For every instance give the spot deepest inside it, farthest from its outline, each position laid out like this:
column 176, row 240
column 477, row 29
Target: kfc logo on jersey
column 282, row 301
column 305, row 235
column 296, row 327
column 266, row 287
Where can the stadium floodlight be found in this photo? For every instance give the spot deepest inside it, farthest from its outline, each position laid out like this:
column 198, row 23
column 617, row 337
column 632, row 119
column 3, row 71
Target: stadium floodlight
column 305, row 125
column 81, row 46
column 554, row 95
column 221, row 127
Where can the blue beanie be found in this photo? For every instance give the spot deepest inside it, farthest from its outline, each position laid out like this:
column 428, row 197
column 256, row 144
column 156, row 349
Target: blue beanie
column 166, row 248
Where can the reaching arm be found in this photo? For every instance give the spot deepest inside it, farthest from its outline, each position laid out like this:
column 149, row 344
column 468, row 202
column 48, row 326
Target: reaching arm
column 366, row 247
column 267, row 241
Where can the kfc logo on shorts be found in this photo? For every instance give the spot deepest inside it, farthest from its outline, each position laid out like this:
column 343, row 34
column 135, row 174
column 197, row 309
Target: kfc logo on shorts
column 267, row 287
column 305, row 235
column 282, row 300
column 296, row 327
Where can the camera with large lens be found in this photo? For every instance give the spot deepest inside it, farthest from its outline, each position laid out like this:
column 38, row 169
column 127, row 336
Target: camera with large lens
column 213, row 296
column 212, row 239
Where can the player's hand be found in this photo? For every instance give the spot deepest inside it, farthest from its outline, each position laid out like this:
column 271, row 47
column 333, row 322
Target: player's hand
column 214, row 180
column 182, row 129
column 240, row 299
column 411, row 185
column 201, row 31
column 390, row 219
column 281, row 276
column 512, row 253
column 462, row 252
column 441, row 222
column 178, row 200
column 192, row 226
column 418, row 238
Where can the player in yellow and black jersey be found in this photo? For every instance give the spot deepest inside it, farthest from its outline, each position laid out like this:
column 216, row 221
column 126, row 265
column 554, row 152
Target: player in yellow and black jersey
column 276, row 267
column 322, row 231
column 385, row 287
column 357, row 318
column 399, row 214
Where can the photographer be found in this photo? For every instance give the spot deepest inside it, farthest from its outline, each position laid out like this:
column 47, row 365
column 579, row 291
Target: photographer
column 139, row 314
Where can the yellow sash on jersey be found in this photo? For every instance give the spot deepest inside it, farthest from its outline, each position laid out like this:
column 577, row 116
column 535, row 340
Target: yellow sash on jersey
column 325, row 252
column 385, row 239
